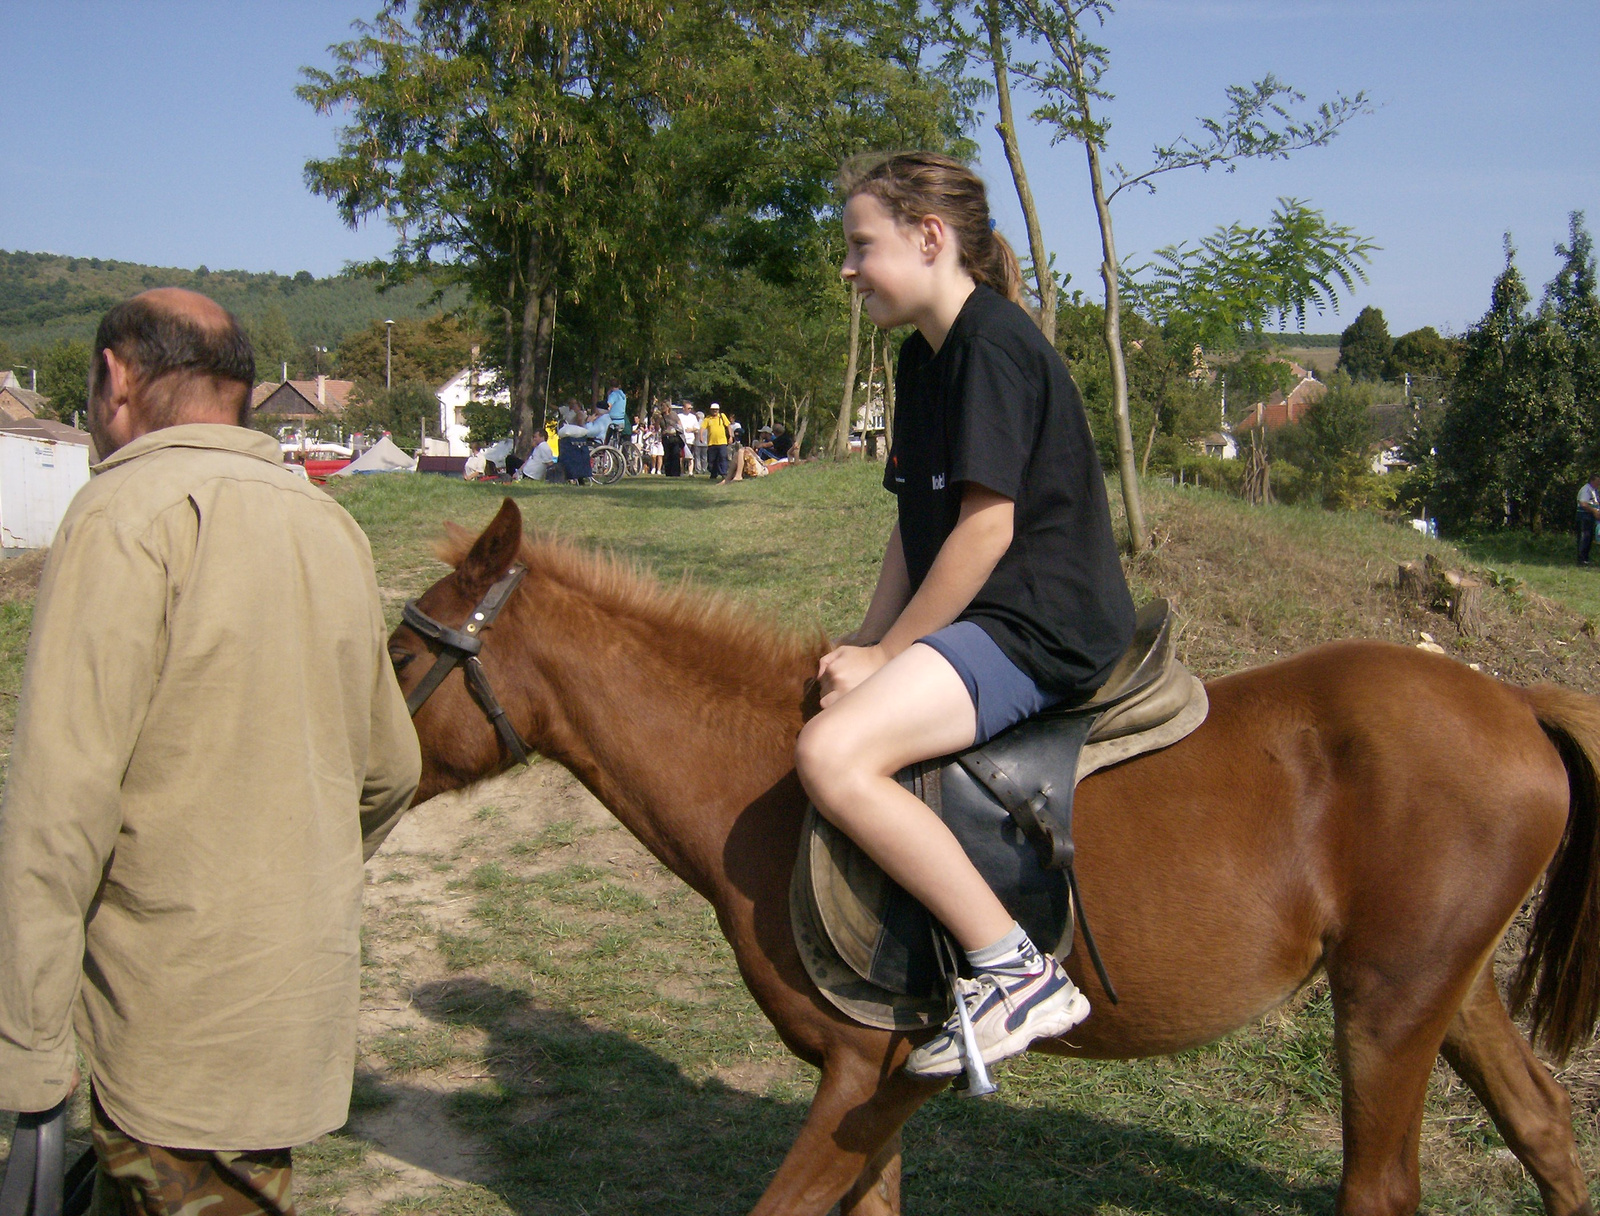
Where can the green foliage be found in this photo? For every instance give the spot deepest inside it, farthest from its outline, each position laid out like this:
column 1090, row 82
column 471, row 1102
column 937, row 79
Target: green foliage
column 1241, row 279
column 64, row 376
column 1514, row 441
column 274, row 344
column 1365, row 346
column 424, row 349
column 1338, row 431
column 487, row 423
column 400, row 411
column 45, row 298
column 1425, row 356
column 1254, row 376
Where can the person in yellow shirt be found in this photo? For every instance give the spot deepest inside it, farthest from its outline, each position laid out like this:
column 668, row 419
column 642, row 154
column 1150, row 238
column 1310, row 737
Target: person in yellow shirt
column 719, row 434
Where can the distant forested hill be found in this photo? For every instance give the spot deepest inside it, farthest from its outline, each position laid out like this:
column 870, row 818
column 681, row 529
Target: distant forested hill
column 45, row 298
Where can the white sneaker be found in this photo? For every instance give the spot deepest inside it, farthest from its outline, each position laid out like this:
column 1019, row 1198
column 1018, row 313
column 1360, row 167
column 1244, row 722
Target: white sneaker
column 1009, row 1010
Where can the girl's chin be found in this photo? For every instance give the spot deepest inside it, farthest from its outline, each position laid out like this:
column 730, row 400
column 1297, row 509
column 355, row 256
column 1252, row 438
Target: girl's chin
column 881, row 314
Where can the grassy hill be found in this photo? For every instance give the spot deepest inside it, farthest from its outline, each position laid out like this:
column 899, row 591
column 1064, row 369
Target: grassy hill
column 558, row 1012
column 45, row 297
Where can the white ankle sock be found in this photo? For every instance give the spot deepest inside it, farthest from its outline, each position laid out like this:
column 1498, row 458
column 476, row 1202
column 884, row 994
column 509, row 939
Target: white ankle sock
column 1006, row 954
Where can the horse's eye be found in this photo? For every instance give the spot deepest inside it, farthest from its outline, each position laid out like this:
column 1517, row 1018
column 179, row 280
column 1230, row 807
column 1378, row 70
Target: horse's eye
column 399, row 659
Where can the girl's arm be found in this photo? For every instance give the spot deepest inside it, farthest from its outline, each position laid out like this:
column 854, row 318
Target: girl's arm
column 966, row 559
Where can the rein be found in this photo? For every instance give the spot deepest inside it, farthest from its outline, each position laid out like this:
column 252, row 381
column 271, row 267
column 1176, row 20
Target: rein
column 462, row 646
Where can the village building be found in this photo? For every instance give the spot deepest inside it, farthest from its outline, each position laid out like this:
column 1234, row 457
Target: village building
column 17, row 403
column 302, row 400
column 1281, row 408
column 454, row 395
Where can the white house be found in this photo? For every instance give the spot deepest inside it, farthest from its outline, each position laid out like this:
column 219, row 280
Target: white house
column 455, row 394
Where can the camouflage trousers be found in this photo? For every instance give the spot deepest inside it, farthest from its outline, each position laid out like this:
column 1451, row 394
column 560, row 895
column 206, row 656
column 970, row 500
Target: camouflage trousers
column 137, row 1179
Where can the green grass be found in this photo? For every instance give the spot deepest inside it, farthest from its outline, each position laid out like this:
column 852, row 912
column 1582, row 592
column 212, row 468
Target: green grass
column 1546, row 563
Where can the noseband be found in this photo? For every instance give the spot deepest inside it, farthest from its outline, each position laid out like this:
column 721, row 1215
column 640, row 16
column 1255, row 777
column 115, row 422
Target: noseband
column 462, row 646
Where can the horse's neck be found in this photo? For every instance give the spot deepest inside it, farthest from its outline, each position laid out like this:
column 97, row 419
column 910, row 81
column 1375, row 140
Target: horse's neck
column 675, row 748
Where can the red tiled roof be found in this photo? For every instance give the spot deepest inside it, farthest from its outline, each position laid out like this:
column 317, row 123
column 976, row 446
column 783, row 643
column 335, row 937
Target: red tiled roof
column 1278, row 410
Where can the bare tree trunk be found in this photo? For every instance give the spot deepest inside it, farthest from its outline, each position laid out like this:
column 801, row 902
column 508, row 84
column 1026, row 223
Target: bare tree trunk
column 535, row 342
column 1138, row 539
column 1044, row 279
column 1150, row 442
column 888, row 393
column 840, row 447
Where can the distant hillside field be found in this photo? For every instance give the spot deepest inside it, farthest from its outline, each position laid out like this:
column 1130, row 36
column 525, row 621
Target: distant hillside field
column 45, row 297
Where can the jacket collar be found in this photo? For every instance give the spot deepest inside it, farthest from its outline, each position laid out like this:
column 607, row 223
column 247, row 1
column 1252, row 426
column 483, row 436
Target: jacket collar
column 208, row 435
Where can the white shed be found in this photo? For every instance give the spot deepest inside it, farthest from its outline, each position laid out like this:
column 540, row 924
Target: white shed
column 41, row 467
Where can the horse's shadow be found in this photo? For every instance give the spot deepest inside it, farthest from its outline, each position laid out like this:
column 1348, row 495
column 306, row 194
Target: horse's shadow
column 574, row 1119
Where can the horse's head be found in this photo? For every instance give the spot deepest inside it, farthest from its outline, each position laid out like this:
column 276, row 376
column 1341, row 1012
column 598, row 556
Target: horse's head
column 459, row 739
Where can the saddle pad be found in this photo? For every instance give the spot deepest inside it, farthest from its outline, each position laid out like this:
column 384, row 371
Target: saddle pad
column 840, row 901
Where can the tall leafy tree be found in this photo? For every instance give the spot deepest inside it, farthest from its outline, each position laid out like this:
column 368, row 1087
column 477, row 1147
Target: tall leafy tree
column 1365, row 345
column 1512, row 433
column 1424, row 355
column 590, row 156
column 1572, row 303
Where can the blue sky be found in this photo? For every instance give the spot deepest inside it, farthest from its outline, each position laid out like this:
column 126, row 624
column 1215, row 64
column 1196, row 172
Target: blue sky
column 167, row 132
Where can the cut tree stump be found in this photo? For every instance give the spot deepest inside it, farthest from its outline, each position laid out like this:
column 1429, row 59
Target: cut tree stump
column 1429, row 585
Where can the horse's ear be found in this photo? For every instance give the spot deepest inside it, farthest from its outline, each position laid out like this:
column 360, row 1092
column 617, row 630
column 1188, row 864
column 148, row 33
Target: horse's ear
column 492, row 553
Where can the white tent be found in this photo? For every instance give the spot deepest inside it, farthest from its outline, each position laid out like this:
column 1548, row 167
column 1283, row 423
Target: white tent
column 382, row 457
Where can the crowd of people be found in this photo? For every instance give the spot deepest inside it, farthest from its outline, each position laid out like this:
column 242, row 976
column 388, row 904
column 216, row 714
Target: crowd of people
column 676, row 440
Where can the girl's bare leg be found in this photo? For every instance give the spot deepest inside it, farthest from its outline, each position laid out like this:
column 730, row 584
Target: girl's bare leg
column 913, row 708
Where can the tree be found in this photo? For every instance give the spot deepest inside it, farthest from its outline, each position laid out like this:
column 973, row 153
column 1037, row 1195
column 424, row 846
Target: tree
column 424, row 349
column 64, row 377
column 1423, row 354
column 1511, row 442
column 1365, row 346
column 400, row 411
column 1260, row 123
column 597, row 156
column 1572, row 304
column 1338, row 429
column 274, row 343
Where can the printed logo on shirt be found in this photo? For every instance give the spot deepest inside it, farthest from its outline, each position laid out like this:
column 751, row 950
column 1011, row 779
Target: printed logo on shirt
column 938, row 481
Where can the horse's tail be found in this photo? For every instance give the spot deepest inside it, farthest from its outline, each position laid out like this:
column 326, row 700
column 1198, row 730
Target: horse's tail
column 1558, row 981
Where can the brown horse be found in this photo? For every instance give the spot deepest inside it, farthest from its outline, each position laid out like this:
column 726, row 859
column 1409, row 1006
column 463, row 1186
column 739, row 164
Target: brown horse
column 1363, row 809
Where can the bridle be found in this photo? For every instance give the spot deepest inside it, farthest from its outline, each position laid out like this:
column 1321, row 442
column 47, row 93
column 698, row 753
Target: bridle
column 462, row 646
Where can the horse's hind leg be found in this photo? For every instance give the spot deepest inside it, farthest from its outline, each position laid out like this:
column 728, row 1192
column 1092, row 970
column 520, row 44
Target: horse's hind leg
column 877, row 1191
column 1531, row 1111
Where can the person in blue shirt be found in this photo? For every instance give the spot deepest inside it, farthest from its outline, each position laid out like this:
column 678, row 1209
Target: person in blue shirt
column 617, row 400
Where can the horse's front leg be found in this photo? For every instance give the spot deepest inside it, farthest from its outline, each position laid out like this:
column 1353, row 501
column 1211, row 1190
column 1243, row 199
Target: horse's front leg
column 849, row 1148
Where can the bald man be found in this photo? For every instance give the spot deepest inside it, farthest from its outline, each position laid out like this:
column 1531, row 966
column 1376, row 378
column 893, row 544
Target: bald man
column 209, row 743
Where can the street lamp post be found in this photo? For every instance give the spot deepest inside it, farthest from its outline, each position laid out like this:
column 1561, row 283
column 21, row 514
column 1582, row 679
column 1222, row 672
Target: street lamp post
column 388, row 355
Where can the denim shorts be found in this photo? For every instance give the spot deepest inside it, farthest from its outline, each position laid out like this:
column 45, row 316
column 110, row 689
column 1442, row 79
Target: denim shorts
column 1001, row 692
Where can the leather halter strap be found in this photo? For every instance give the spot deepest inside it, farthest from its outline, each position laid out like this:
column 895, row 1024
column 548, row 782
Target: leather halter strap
column 462, row 646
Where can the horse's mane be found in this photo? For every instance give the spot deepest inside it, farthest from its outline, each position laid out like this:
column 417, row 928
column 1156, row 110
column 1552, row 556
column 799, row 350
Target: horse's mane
column 692, row 621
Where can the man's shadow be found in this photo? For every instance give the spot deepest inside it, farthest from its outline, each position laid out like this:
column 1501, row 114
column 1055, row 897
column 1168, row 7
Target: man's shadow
column 574, row 1119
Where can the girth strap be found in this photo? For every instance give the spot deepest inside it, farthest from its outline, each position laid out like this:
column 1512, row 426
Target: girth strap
column 462, row 646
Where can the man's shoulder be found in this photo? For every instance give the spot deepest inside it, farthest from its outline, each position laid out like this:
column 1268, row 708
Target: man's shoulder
column 136, row 492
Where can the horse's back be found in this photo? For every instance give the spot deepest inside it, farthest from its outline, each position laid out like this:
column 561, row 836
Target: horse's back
column 1355, row 792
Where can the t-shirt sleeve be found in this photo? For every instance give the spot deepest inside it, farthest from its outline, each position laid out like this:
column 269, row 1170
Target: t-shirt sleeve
column 999, row 420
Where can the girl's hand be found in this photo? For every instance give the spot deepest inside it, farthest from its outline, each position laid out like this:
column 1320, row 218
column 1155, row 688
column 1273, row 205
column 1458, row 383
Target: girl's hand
column 845, row 667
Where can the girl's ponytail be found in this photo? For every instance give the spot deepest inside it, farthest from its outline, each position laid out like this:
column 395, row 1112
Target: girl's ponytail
column 911, row 185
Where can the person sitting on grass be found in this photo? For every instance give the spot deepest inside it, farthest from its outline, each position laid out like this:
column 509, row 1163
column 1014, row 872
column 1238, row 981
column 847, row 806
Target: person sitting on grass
column 1001, row 592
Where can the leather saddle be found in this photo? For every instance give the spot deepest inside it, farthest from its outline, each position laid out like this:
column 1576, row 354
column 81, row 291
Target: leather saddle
column 875, row 951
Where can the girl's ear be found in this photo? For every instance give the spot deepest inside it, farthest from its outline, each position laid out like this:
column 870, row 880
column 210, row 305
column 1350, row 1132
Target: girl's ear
column 933, row 237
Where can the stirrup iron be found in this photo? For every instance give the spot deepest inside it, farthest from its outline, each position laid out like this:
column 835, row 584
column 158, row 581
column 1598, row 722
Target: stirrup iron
column 974, row 1081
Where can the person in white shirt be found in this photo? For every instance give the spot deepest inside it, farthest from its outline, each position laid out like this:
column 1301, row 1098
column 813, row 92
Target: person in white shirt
column 539, row 461
column 689, row 423
column 1588, row 513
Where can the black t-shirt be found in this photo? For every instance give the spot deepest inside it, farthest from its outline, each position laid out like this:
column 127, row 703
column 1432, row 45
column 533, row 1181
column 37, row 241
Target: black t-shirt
column 996, row 406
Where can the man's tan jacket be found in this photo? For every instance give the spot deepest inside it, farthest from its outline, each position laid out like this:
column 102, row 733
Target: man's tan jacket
column 209, row 742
